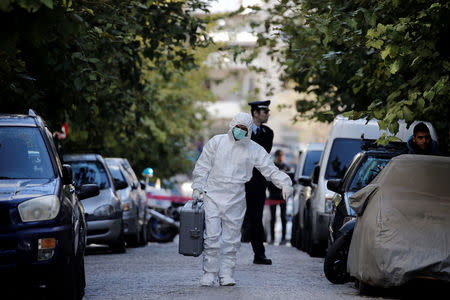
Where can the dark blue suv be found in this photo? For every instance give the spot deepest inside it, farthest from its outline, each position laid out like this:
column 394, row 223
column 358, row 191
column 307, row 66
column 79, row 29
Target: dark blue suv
column 42, row 225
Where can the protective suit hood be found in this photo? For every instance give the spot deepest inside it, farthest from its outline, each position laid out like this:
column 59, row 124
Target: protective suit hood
column 242, row 119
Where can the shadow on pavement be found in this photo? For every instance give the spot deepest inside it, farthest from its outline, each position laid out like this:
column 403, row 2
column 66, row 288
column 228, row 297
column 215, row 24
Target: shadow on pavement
column 97, row 250
column 415, row 289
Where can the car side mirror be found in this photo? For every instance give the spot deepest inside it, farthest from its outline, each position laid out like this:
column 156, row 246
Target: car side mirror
column 334, row 185
column 67, row 174
column 305, row 180
column 88, row 191
column 142, row 186
column 120, row 184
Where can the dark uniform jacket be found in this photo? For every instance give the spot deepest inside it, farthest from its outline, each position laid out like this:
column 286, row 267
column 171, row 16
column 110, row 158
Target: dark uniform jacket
column 255, row 192
column 264, row 138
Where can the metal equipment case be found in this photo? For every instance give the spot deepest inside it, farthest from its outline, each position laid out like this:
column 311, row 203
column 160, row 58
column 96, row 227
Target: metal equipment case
column 192, row 220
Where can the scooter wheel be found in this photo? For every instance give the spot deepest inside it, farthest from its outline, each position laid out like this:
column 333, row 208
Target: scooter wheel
column 161, row 232
column 335, row 263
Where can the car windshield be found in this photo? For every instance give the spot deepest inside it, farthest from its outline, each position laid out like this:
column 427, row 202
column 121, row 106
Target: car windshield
column 115, row 172
column 23, row 154
column 85, row 172
column 341, row 155
column 311, row 159
column 368, row 170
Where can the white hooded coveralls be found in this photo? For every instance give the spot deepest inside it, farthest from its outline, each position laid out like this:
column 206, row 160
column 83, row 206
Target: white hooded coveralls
column 222, row 170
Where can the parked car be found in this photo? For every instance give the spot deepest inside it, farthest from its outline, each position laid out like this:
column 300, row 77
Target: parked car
column 402, row 230
column 42, row 225
column 134, row 201
column 344, row 141
column 103, row 212
column 363, row 169
column 305, row 166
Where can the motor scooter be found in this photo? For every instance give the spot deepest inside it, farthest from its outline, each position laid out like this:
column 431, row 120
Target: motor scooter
column 163, row 210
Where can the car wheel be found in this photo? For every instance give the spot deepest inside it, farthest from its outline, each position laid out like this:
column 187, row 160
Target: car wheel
column 149, row 235
column 144, row 235
column 161, row 232
column 335, row 263
column 119, row 246
column 72, row 282
column 305, row 236
column 294, row 232
column 134, row 240
column 313, row 249
column 299, row 237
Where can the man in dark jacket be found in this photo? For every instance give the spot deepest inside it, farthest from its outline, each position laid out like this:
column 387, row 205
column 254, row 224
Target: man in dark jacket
column 255, row 189
column 421, row 142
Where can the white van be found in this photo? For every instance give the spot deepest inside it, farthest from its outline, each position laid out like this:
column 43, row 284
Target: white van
column 344, row 141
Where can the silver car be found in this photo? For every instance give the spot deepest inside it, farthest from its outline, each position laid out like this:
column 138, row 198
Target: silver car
column 103, row 212
column 305, row 166
column 134, row 201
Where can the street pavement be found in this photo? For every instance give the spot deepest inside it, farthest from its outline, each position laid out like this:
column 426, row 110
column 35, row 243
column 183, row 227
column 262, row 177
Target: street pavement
column 157, row 271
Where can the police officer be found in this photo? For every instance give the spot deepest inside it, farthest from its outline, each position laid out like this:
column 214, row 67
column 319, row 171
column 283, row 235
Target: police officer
column 255, row 189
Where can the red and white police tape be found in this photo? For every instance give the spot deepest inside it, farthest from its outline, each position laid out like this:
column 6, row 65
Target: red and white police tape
column 181, row 199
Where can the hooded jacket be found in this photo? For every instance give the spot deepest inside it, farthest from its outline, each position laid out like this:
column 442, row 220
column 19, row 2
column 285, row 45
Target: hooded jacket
column 413, row 149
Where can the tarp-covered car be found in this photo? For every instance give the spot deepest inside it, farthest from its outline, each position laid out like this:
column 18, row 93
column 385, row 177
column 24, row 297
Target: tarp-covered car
column 403, row 226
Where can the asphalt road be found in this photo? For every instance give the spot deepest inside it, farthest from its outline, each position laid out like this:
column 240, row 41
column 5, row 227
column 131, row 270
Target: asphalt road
column 157, row 271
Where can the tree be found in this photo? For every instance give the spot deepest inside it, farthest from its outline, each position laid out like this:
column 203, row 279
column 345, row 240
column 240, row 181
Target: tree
column 374, row 59
column 123, row 74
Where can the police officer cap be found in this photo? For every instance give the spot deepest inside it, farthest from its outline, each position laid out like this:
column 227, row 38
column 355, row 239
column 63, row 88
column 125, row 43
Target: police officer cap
column 260, row 104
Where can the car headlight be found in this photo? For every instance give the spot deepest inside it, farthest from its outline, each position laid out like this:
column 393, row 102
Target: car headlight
column 39, row 209
column 104, row 211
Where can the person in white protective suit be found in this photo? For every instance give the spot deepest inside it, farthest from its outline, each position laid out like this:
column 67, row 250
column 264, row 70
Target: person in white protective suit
column 219, row 178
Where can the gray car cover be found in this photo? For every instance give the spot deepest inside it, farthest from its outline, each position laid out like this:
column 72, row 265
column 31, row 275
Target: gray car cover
column 403, row 226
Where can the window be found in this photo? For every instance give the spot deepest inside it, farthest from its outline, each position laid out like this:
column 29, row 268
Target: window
column 311, row 159
column 116, row 172
column 89, row 172
column 367, row 172
column 341, row 155
column 23, row 154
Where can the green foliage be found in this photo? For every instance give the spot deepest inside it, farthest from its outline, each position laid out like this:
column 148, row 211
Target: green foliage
column 375, row 59
column 124, row 74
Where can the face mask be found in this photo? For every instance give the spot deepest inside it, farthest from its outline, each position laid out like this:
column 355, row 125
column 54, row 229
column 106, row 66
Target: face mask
column 238, row 133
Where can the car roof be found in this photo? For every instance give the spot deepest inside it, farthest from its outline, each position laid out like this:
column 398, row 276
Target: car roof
column 346, row 128
column 83, row 157
column 315, row 147
column 115, row 159
column 382, row 152
column 17, row 120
